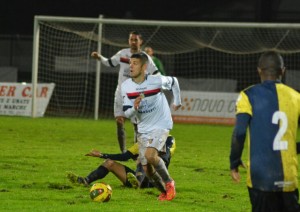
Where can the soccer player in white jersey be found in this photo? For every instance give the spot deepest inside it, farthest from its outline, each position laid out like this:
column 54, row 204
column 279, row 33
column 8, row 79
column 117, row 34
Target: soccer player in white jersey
column 143, row 98
column 122, row 58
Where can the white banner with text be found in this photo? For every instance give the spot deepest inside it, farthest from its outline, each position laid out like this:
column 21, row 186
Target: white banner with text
column 206, row 108
column 16, row 98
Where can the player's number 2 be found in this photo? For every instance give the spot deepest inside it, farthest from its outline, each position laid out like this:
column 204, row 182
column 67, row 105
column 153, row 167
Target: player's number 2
column 278, row 144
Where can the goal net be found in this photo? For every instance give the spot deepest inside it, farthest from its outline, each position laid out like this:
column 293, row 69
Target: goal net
column 209, row 59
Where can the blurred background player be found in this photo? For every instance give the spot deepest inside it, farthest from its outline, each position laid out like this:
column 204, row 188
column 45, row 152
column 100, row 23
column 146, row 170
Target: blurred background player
column 126, row 175
column 157, row 61
column 121, row 58
column 143, row 98
column 270, row 110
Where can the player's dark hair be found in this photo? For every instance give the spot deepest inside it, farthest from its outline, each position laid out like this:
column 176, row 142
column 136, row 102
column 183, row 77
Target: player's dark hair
column 142, row 56
column 136, row 33
column 271, row 62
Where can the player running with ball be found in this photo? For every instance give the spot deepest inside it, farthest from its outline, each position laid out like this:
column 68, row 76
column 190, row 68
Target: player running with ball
column 143, row 98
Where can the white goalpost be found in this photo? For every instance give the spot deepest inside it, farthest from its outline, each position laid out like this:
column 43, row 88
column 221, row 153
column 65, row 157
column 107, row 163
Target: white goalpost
column 206, row 57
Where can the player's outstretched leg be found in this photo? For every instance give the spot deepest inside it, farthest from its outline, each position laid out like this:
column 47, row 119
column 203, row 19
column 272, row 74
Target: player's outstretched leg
column 133, row 180
column 74, row 178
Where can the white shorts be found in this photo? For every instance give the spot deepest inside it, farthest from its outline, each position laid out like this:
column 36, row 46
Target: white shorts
column 156, row 139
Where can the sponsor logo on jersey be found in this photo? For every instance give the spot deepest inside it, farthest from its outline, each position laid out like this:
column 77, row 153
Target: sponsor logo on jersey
column 142, row 88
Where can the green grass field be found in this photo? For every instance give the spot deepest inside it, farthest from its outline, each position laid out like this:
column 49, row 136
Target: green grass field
column 36, row 153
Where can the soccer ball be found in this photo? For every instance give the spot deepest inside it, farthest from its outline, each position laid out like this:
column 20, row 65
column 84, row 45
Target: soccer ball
column 100, row 192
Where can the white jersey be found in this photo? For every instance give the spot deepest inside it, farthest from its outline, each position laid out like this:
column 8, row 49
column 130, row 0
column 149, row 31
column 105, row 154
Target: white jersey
column 154, row 112
column 122, row 58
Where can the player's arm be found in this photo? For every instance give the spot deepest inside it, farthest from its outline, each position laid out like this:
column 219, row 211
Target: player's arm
column 110, row 62
column 120, row 157
column 171, row 83
column 130, row 110
column 237, row 144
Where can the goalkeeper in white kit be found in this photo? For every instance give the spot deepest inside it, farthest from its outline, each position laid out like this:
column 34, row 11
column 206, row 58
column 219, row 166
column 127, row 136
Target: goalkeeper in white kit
column 143, row 98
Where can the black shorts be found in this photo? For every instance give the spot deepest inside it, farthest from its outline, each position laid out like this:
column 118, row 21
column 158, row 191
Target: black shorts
column 263, row 201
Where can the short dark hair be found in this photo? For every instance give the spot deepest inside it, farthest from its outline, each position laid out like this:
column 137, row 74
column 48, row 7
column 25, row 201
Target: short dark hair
column 142, row 56
column 136, row 33
column 271, row 62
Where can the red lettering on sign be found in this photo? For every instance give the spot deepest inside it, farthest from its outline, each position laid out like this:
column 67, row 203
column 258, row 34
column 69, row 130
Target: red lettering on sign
column 11, row 91
column 25, row 90
column 2, row 90
column 7, row 90
column 44, row 92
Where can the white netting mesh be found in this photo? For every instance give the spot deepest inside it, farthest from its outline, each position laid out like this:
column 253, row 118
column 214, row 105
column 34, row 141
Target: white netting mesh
column 205, row 58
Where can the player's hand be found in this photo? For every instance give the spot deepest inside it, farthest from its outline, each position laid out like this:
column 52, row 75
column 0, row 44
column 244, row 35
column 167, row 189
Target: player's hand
column 137, row 102
column 94, row 153
column 95, row 55
column 235, row 175
column 176, row 107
